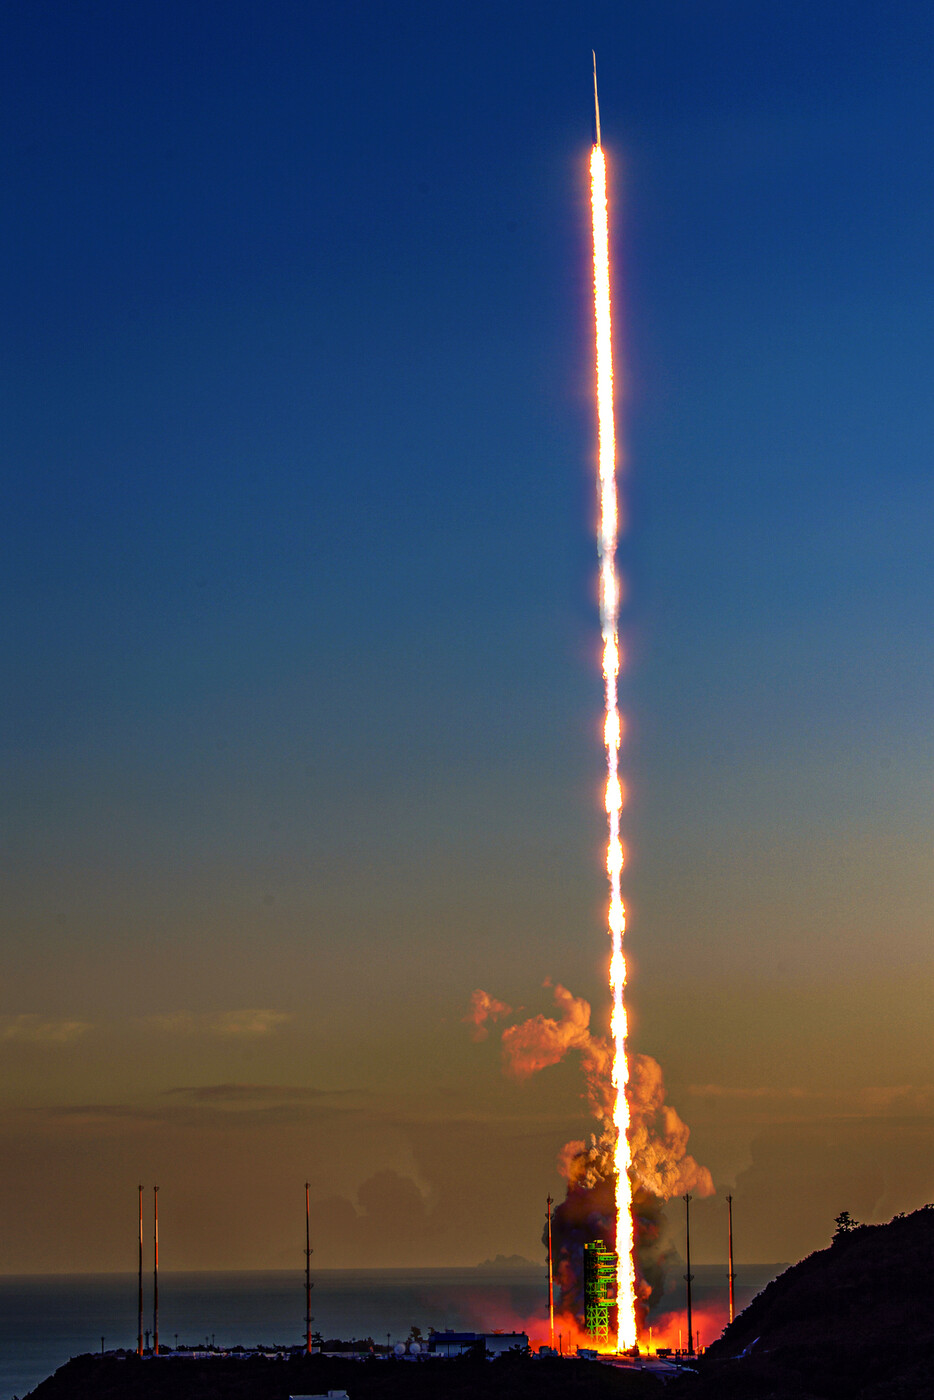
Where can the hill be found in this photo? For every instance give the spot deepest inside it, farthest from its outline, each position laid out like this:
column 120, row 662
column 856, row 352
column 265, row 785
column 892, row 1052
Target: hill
column 851, row 1322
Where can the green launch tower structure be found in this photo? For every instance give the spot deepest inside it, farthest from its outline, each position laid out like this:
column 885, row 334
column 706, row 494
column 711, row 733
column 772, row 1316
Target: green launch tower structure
column 599, row 1290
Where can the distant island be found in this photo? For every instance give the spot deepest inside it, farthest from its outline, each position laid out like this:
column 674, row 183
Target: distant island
column 505, row 1262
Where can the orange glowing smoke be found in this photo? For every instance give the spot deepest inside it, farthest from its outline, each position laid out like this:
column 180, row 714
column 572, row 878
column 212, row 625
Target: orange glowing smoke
column 483, row 1008
column 670, row 1329
column 609, row 619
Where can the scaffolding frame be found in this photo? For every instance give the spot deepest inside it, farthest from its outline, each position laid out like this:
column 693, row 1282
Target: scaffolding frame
column 599, row 1290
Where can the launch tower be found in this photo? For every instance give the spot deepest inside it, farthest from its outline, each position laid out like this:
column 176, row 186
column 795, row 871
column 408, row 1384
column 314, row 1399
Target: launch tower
column 599, row 1290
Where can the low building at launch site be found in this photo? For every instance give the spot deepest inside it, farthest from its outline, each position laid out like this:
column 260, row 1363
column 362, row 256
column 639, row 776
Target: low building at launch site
column 490, row 1343
column 331, row 1395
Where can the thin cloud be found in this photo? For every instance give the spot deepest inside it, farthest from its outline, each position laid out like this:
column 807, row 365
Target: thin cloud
column 867, row 1102
column 519, row 1124
column 917, row 1098
column 729, row 1091
column 256, row 1093
column 247, row 1022
column 89, row 1120
column 85, row 1115
column 30, row 1029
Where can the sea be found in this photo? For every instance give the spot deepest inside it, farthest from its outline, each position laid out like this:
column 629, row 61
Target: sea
column 46, row 1319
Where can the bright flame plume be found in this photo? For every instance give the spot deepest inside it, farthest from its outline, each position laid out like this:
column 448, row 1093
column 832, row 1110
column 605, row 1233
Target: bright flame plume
column 609, row 621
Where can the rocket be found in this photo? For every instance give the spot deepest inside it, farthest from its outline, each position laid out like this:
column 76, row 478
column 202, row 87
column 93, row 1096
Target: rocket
column 596, row 100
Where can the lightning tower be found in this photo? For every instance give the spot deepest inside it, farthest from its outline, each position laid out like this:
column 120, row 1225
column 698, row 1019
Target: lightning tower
column 308, row 1284
column 155, row 1271
column 139, row 1338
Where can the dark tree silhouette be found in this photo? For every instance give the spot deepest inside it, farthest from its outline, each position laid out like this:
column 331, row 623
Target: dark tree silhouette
column 845, row 1224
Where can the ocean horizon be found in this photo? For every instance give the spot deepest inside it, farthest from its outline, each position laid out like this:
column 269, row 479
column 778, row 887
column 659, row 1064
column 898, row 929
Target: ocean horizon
column 47, row 1318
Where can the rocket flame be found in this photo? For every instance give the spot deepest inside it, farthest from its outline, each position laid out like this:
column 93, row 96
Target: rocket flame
column 609, row 621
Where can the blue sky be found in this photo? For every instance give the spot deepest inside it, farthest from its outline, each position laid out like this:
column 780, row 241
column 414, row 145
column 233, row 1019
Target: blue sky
column 301, row 702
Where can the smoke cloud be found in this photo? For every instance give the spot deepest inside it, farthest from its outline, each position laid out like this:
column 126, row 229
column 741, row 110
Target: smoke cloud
column 661, row 1162
column 542, row 1041
column 483, row 1008
column 662, row 1166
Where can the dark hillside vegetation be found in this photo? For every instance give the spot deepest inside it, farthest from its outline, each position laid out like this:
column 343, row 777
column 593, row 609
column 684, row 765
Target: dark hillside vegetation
column 222, row 1378
column 852, row 1322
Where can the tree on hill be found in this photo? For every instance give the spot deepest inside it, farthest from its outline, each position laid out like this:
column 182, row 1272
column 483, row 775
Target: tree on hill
column 845, row 1224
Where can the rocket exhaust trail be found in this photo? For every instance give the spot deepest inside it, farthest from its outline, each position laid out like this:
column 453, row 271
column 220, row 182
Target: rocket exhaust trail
column 609, row 622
